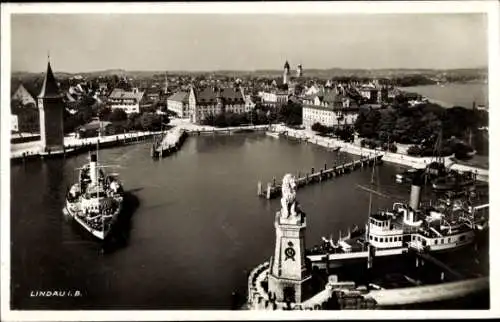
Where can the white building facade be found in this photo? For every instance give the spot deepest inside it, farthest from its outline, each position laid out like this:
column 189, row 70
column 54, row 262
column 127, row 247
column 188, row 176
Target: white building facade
column 214, row 101
column 179, row 104
column 274, row 98
column 329, row 109
column 129, row 101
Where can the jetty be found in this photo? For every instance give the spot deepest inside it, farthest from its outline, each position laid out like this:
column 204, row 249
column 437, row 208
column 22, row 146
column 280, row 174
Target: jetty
column 273, row 189
column 167, row 143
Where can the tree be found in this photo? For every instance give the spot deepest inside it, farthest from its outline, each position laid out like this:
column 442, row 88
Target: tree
column 429, row 127
column 386, row 125
column 220, row 120
column 150, row 122
column 317, row 127
column 414, row 150
column 290, row 113
column 118, row 115
column 402, row 130
column 368, row 124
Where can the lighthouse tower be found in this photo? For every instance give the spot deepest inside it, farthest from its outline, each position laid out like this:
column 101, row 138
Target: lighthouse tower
column 51, row 107
column 286, row 73
column 288, row 275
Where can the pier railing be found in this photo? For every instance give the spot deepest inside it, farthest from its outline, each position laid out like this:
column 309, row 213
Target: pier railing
column 273, row 189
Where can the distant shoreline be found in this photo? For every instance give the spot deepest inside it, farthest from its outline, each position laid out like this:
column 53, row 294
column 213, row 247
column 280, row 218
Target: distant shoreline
column 480, row 101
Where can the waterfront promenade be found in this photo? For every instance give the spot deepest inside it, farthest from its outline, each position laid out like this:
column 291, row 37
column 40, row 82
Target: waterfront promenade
column 33, row 149
column 189, row 127
column 356, row 149
column 72, row 144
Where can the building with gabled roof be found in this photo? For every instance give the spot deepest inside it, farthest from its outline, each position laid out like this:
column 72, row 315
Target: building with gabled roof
column 179, row 103
column 274, row 98
column 329, row 108
column 129, row 101
column 214, row 101
column 22, row 95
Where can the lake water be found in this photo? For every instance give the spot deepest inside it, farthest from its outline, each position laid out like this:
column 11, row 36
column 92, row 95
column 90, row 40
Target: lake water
column 454, row 94
column 198, row 229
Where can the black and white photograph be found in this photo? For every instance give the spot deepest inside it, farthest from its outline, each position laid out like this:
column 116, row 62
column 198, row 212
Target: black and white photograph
column 242, row 160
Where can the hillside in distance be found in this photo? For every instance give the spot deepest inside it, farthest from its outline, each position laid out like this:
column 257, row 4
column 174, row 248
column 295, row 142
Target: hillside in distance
column 466, row 73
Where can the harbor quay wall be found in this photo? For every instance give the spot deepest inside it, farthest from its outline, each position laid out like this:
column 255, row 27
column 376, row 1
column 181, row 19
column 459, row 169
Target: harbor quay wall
column 344, row 293
column 348, row 297
column 169, row 142
column 193, row 129
column 397, row 158
column 429, row 293
column 72, row 145
column 172, row 140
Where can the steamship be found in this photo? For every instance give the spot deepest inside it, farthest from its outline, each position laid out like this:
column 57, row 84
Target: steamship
column 445, row 225
column 96, row 200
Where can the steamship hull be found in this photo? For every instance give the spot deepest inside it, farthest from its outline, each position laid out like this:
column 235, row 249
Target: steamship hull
column 344, row 259
column 99, row 234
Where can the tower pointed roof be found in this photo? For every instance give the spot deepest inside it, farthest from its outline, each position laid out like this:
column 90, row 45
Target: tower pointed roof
column 287, row 65
column 49, row 87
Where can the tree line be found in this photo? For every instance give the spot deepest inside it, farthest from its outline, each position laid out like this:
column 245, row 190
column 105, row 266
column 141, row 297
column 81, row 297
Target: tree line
column 423, row 125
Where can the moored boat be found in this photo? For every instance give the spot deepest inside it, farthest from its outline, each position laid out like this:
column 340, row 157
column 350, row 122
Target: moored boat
column 446, row 225
column 96, row 200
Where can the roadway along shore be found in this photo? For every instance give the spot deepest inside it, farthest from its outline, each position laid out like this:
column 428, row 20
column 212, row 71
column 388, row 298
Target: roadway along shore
column 33, row 149
column 398, row 158
column 72, row 145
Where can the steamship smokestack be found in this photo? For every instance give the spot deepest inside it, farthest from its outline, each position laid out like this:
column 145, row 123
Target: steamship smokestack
column 416, row 186
column 93, row 168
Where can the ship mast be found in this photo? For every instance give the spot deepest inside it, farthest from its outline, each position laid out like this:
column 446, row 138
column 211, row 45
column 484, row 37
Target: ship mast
column 370, row 202
column 97, row 171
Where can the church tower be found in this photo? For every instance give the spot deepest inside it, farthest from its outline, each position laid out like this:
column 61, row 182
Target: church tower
column 286, row 73
column 299, row 70
column 165, row 85
column 288, row 276
column 51, row 107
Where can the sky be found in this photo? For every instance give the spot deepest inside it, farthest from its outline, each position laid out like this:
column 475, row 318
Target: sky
column 195, row 42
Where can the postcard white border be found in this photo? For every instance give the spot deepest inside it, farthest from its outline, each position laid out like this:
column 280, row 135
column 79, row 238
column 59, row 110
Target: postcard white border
column 491, row 8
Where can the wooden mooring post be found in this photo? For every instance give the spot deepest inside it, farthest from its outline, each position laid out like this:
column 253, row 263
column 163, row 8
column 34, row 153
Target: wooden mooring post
column 323, row 174
column 268, row 192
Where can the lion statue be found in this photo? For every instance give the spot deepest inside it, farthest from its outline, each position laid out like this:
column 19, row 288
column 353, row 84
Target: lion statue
column 288, row 195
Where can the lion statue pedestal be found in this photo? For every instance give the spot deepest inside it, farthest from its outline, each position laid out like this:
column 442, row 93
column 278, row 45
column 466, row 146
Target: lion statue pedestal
column 288, row 274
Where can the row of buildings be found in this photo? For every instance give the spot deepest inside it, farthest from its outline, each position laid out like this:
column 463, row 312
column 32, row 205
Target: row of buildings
column 330, row 103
